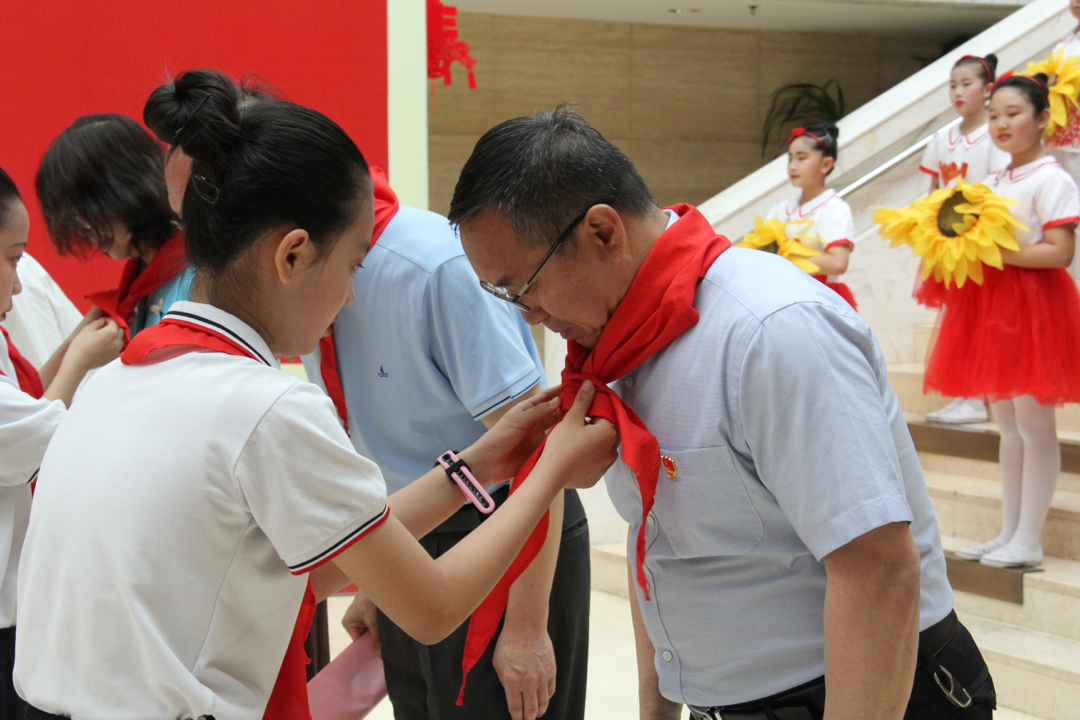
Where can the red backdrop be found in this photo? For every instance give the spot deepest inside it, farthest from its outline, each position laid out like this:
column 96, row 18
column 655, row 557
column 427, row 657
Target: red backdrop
column 60, row 59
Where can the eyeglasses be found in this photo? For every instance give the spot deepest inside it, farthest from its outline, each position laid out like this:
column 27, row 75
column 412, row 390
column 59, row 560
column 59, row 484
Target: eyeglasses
column 515, row 298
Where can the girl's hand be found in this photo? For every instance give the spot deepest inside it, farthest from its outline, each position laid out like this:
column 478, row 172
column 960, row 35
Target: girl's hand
column 579, row 450
column 504, row 448
column 97, row 343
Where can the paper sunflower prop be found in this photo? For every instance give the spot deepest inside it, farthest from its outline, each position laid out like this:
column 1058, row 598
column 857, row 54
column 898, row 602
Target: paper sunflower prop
column 1066, row 88
column 771, row 236
column 954, row 230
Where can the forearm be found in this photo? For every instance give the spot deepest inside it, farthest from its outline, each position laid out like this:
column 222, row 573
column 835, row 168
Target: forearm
column 871, row 637
column 64, row 382
column 527, row 605
column 652, row 705
column 48, row 371
column 1039, row 256
column 430, row 598
column 832, row 262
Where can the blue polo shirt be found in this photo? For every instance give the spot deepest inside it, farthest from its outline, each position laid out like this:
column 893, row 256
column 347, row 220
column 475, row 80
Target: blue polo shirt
column 423, row 351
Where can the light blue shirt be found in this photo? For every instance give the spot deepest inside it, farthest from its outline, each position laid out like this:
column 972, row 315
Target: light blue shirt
column 151, row 309
column 423, row 351
column 788, row 443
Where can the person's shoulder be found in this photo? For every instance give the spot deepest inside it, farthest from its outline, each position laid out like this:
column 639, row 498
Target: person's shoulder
column 748, row 286
column 420, row 237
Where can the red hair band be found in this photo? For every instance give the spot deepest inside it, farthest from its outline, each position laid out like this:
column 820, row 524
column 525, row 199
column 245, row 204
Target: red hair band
column 799, row 132
column 986, row 66
column 1042, row 88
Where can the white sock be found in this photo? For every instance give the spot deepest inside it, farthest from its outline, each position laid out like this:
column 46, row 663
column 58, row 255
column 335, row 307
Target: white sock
column 1042, row 465
column 1011, row 459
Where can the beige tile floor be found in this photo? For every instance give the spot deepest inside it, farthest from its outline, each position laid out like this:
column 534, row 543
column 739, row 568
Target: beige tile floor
column 612, row 689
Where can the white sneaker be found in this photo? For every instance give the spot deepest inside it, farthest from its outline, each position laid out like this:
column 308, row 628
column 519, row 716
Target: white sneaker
column 1013, row 556
column 959, row 411
column 977, row 551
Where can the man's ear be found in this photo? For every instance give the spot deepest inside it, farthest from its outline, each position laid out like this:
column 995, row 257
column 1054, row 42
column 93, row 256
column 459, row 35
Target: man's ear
column 293, row 252
column 605, row 225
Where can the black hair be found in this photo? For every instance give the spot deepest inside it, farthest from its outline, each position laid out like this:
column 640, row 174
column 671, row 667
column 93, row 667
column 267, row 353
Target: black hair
column 987, row 66
column 544, row 170
column 825, row 136
column 1033, row 87
column 256, row 166
column 9, row 193
column 101, row 170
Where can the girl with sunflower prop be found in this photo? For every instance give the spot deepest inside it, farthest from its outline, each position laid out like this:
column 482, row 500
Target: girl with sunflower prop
column 1015, row 336
column 965, row 153
column 816, row 222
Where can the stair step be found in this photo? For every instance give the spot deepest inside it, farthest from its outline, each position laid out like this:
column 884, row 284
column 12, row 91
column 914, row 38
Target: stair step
column 973, row 450
column 970, row 508
column 1037, row 672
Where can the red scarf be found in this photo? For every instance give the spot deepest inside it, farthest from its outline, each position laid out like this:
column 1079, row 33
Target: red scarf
column 658, row 307
column 25, row 373
column 120, row 304
column 386, row 207
column 289, row 699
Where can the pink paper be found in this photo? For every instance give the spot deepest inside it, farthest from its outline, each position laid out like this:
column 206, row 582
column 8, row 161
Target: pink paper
column 350, row 686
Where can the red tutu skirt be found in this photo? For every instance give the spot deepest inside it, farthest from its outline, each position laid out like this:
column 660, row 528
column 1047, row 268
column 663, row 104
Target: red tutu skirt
column 929, row 292
column 841, row 289
column 1016, row 334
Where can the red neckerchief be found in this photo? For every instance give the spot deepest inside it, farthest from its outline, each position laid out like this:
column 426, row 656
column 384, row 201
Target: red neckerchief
column 289, row 699
column 386, row 207
column 658, row 307
column 25, row 373
column 120, row 304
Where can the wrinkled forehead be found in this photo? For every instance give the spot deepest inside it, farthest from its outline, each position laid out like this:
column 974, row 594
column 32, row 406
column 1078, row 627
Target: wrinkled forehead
column 495, row 250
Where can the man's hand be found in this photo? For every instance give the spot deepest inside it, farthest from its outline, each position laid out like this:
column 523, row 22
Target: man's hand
column 525, row 662
column 363, row 617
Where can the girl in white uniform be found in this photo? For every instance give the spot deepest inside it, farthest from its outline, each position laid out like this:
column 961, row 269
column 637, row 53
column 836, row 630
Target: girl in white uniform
column 164, row 581
column 1064, row 143
column 962, row 153
column 817, row 215
column 1016, row 337
column 31, row 407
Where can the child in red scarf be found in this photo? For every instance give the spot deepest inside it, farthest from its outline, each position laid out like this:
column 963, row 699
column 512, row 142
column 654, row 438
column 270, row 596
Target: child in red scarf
column 31, row 407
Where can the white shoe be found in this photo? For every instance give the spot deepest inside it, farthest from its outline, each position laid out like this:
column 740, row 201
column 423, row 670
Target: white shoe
column 1010, row 555
column 977, row 551
column 960, row 411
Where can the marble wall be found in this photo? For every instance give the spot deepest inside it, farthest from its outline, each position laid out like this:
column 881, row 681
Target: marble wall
column 686, row 104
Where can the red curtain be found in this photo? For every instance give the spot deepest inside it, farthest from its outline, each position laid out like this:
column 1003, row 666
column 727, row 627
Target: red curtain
column 66, row 58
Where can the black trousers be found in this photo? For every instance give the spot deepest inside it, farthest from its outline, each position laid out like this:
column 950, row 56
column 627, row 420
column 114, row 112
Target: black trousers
column 11, row 705
column 423, row 681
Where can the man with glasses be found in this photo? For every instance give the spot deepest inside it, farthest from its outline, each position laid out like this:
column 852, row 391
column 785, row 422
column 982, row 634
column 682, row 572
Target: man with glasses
column 782, row 539
column 424, row 360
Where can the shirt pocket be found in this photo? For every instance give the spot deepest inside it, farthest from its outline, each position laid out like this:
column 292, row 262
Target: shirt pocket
column 705, row 509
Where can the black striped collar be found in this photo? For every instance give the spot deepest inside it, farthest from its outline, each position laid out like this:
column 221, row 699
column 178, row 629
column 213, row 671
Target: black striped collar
column 219, row 321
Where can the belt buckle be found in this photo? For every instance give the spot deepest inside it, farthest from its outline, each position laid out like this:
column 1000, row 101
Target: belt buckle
column 704, row 713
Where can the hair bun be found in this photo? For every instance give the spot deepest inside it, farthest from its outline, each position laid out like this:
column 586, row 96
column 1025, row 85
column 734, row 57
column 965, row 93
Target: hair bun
column 992, row 61
column 198, row 111
column 1042, row 78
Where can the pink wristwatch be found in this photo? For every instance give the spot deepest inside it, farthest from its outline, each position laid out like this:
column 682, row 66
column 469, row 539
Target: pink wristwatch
column 459, row 472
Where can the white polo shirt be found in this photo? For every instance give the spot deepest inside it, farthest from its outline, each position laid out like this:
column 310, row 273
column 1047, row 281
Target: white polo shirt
column 1046, row 197
column 952, row 155
column 822, row 223
column 42, row 316
column 26, row 426
column 788, row 443
column 178, row 507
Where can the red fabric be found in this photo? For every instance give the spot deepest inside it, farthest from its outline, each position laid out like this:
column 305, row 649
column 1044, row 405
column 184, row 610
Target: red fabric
column 25, row 373
column 840, row 289
column 444, row 48
column 658, row 307
column 386, row 207
column 1062, row 221
column 928, row 171
column 288, row 700
column 1016, row 334
column 120, row 304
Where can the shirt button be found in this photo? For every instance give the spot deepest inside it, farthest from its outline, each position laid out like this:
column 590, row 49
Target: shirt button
column 629, row 381
column 650, row 521
column 667, row 656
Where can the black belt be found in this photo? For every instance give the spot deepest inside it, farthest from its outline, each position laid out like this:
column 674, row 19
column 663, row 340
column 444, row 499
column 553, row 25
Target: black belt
column 807, row 701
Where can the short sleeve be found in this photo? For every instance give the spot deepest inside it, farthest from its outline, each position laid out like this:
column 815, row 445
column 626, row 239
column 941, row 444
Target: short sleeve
column 931, row 158
column 304, row 484
column 26, row 427
column 836, row 225
column 1057, row 201
column 814, row 422
column 476, row 341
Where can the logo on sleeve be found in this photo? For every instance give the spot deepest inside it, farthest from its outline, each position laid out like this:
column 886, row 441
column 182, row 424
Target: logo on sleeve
column 951, row 172
column 383, row 373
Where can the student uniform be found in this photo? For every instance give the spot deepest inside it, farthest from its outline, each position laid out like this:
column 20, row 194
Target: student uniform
column 1064, row 143
column 822, row 223
column 784, row 447
column 27, row 423
column 162, row 578
column 423, row 354
column 42, row 316
column 1019, row 332
column 952, row 155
